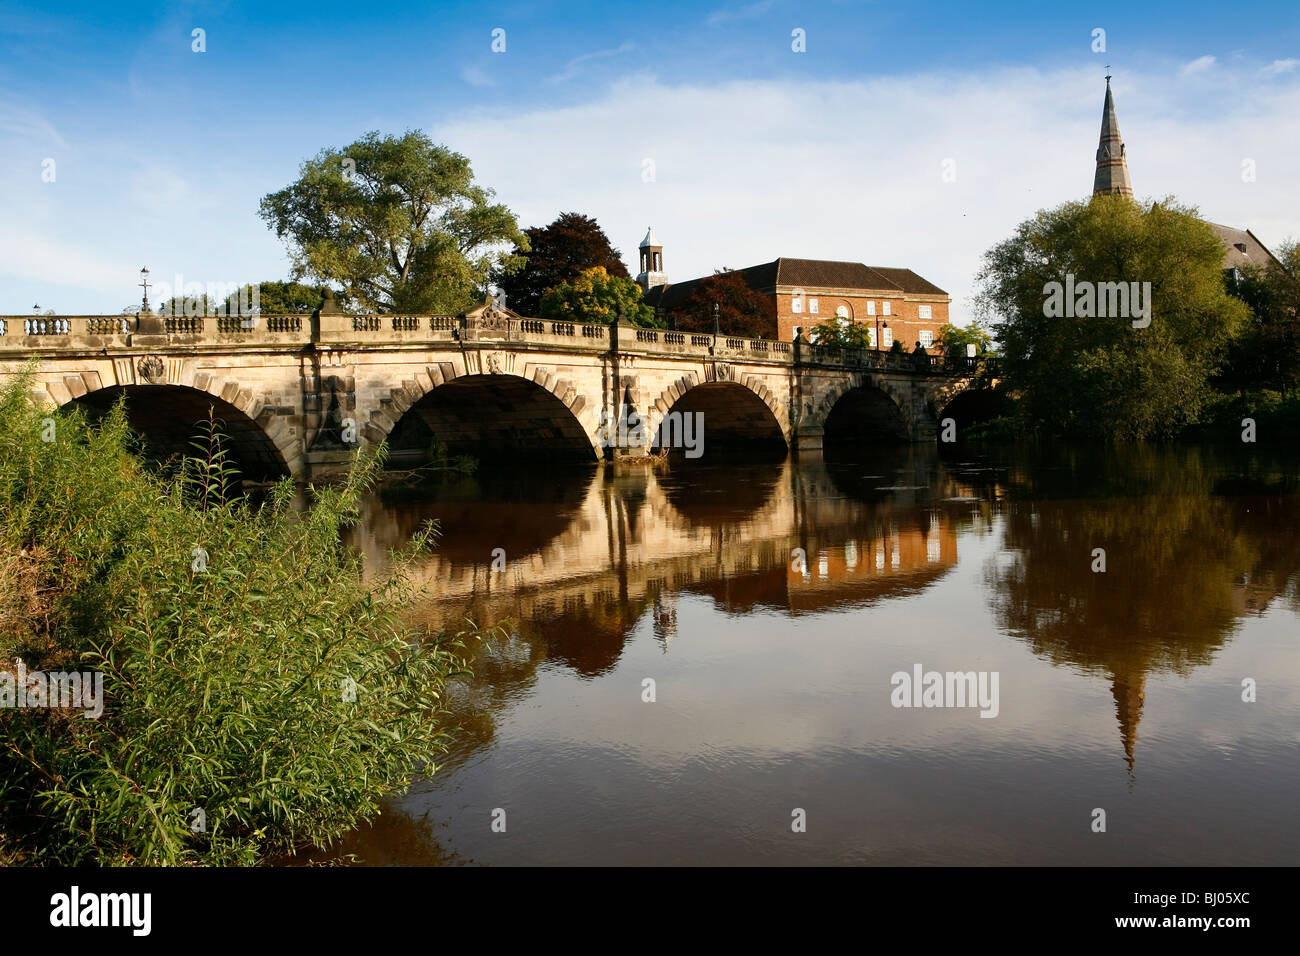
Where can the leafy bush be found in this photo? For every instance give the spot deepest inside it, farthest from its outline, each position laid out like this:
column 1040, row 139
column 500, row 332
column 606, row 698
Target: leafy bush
column 224, row 688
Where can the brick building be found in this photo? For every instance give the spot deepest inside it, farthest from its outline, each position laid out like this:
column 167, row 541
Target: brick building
column 896, row 304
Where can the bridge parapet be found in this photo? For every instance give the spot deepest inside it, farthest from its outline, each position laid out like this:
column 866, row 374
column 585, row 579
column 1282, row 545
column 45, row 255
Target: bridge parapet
column 80, row 333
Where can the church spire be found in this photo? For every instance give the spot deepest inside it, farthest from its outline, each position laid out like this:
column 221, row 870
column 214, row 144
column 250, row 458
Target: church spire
column 1112, row 162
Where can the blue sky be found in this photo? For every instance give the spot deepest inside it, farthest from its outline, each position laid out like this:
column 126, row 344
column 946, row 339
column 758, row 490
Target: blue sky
column 161, row 154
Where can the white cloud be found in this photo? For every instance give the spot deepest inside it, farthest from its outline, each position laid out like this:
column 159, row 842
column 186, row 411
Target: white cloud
column 571, row 69
column 1199, row 65
column 1281, row 66
column 748, row 171
column 476, row 77
column 27, row 124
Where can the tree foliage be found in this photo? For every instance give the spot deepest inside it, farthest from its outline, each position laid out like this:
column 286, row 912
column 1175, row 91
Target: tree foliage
column 844, row 333
column 225, row 689
column 557, row 253
column 741, row 310
column 1266, row 353
column 398, row 222
column 1103, row 377
column 596, row 296
column 958, row 337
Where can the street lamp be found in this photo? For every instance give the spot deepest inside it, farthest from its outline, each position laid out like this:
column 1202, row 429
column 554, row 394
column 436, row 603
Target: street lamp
column 878, row 332
column 144, row 282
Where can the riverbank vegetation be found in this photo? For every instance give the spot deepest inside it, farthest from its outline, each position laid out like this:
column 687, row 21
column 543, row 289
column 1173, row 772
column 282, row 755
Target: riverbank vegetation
column 259, row 695
column 1193, row 350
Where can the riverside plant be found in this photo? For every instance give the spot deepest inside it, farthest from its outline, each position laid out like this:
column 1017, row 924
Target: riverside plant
column 259, row 701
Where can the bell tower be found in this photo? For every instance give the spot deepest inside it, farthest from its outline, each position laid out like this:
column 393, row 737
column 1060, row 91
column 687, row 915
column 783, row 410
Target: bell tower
column 652, row 262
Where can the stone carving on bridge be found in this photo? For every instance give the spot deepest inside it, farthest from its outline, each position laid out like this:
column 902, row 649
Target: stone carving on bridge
column 722, row 372
column 495, row 363
column 151, row 369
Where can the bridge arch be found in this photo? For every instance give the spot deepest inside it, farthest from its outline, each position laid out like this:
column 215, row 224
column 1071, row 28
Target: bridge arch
column 969, row 406
column 491, row 415
column 168, row 416
column 863, row 411
column 740, row 414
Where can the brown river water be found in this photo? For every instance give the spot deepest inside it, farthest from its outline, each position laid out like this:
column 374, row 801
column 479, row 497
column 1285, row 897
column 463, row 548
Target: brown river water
column 772, row 606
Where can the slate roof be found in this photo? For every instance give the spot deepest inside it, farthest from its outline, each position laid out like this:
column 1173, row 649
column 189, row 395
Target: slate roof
column 809, row 274
column 1255, row 252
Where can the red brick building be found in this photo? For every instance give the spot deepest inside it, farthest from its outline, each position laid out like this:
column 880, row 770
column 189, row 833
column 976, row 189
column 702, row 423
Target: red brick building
column 897, row 304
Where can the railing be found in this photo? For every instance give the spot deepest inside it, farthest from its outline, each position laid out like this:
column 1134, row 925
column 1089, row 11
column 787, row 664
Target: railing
column 45, row 325
column 180, row 324
column 19, row 333
column 101, row 325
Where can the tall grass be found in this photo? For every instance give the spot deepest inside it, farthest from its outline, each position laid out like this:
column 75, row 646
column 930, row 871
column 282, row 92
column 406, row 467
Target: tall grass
column 226, row 689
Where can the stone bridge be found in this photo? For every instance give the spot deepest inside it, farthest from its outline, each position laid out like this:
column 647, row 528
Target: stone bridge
column 297, row 394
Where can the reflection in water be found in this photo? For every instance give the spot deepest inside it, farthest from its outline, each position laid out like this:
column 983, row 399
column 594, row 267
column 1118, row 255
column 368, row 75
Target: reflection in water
column 770, row 603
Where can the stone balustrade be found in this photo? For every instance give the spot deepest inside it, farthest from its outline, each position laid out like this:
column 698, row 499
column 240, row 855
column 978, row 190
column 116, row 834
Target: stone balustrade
column 79, row 333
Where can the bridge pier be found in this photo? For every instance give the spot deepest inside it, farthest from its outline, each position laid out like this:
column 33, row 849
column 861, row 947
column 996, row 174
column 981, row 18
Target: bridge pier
column 807, row 438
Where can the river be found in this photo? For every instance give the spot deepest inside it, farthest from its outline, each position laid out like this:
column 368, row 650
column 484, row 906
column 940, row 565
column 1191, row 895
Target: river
column 703, row 664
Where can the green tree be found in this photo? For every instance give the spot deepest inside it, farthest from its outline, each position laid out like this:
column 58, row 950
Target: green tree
column 596, row 296
column 281, row 298
column 741, row 310
column 958, row 337
column 1266, row 353
column 843, row 333
column 398, row 222
column 1106, row 377
column 557, row 253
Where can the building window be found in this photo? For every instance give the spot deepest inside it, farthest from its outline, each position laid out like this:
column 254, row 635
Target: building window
column 927, row 338
column 842, row 312
column 887, row 337
column 871, row 308
column 884, row 308
column 923, row 312
column 812, row 306
column 871, row 336
column 796, row 304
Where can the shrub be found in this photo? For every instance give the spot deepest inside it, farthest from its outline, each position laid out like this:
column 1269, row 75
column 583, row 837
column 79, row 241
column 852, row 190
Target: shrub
column 225, row 688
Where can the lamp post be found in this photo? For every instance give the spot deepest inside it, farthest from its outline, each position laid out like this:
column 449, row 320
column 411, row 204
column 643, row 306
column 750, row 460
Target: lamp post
column 144, row 283
column 878, row 332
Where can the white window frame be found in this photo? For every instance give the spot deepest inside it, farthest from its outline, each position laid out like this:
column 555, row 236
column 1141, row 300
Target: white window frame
column 871, row 336
column 871, row 307
column 884, row 308
column 842, row 312
column 812, row 305
column 927, row 338
column 924, row 312
column 886, row 338
column 796, row 304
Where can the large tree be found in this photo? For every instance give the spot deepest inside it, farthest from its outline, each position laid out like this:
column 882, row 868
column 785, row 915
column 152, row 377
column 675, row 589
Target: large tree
column 1267, row 352
column 598, row 297
column 741, row 310
column 557, row 253
column 1118, row 375
column 398, row 222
